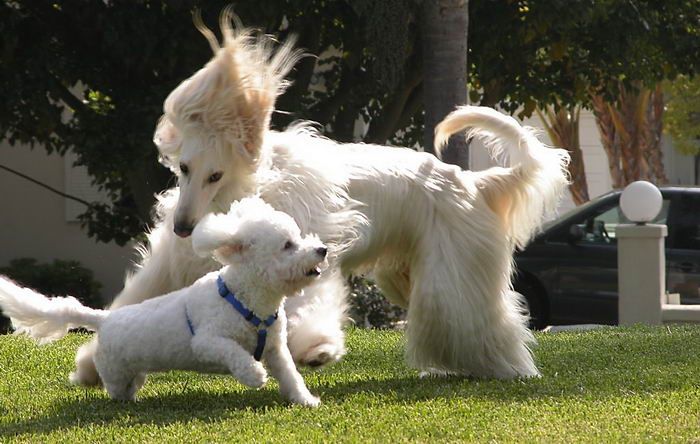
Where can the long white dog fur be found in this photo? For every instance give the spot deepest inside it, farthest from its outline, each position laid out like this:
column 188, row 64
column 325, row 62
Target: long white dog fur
column 437, row 239
column 195, row 328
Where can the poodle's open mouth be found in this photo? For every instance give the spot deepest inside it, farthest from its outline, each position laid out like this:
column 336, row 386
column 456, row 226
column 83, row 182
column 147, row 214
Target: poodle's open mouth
column 313, row 272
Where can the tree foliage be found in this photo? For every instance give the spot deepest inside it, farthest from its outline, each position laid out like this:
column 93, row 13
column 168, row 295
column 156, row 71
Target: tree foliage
column 683, row 113
column 91, row 76
column 544, row 52
column 112, row 63
column 606, row 55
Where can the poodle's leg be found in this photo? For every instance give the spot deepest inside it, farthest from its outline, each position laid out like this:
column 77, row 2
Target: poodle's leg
column 151, row 280
column 316, row 321
column 136, row 383
column 85, row 372
column 463, row 318
column 148, row 282
column 292, row 386
column 121, row 383
column 123, row 387
column 228, row 353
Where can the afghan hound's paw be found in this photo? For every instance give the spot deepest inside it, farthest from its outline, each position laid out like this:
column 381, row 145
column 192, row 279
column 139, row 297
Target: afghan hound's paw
column 322, row 353
column 434, row 373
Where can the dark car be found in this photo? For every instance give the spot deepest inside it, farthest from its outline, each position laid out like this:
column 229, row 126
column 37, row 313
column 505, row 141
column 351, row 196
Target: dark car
column 568, row 273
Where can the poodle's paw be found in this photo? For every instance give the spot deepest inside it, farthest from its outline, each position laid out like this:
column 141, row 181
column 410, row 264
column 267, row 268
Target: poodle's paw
column 305, row 399
column 85, row 378
column 85, row 372
column 254, row 376
column 326, row 352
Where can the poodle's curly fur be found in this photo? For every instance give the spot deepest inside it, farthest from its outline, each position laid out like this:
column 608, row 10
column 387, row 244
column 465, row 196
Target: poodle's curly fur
column 194, row 328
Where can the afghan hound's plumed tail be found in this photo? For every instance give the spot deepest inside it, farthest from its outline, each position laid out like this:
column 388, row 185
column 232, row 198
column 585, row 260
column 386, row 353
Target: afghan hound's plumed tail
column 525, row 193
column 42, row 318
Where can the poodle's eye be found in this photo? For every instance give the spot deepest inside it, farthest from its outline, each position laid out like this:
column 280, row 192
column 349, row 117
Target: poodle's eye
column 289, row 245
column 184, row 170
column 215, row 177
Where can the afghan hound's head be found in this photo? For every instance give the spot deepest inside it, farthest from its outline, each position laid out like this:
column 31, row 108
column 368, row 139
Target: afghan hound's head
column 213, row 126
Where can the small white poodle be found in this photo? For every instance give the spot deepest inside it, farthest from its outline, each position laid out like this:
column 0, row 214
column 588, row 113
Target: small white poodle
column 227, row 321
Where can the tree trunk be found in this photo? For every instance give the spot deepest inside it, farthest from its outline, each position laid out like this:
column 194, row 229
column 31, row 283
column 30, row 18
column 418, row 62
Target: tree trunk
column 395, row 109
column 444, row 28
column 653, row 135
column 563, row 129
column 630, row 130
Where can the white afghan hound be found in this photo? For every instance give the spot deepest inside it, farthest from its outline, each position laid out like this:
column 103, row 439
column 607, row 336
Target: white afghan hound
column 438, row 240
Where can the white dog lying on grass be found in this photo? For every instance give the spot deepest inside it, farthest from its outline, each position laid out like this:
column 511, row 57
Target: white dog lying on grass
column 225, row 322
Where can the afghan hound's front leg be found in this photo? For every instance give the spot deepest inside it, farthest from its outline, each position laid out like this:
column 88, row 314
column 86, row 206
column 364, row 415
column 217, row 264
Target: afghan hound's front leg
column 316, row 320
column 395, row 285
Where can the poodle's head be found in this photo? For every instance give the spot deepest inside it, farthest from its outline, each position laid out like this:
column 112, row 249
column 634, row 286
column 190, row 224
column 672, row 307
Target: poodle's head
column 212, row 130
column 264, row 246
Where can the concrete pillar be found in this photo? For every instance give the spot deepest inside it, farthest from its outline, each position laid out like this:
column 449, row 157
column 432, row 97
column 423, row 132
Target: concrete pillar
column 641, row 275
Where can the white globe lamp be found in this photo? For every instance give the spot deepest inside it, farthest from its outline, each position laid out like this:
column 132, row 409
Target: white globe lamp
column 641, row 202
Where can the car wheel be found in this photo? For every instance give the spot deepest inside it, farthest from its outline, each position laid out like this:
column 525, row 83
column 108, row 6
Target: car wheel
column 535, row 304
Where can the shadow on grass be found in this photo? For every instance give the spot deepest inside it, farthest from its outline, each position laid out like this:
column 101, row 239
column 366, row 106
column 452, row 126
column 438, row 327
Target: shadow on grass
column 590, row 366
column 204, row 406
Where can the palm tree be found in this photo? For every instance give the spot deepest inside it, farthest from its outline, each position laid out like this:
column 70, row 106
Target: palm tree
column 562, row 125
column 630, row 130
column 444, row 29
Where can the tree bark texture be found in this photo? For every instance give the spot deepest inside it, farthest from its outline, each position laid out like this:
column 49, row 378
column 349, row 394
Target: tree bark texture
column 630, row 130
column 562, row 126
column 444, row 28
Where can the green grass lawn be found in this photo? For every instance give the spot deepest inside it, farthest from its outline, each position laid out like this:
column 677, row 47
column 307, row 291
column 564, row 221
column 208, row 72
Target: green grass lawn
column 611, row 385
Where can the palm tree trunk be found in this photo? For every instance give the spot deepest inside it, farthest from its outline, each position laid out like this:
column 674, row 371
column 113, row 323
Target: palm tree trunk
column 444, row 28
column 652, row 140
column 562, row 126
column 607, row 137
column 630, row 130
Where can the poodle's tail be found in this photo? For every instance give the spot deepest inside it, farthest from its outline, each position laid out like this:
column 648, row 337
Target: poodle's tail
column 525, row 193
column 42, row 318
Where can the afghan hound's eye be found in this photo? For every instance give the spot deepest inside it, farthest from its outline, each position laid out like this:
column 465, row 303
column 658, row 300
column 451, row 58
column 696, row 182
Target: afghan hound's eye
column 184, row 170
column 289, row 245
column 215, row 177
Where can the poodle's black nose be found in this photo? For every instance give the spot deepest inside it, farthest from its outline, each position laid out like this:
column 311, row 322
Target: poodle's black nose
column 322, row 251
column 183, row 230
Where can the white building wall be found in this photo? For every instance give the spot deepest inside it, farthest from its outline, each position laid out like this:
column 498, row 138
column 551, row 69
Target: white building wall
column 40, row 224
column 680, row 168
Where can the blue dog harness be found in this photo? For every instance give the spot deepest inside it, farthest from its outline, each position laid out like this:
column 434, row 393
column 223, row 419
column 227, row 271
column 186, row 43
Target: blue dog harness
column 249, row 316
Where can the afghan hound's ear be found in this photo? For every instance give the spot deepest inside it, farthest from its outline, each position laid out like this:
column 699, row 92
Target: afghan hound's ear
column 217, row 234
column 167, row 140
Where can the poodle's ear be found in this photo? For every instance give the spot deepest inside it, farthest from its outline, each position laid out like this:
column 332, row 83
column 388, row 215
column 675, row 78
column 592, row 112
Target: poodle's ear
column 216, row 234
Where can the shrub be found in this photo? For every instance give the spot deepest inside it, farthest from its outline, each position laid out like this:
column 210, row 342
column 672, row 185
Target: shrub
column 59, row 278
column 369, row 308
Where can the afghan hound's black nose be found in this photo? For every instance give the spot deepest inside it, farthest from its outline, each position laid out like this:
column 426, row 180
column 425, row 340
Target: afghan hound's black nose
column 183, row 230
column 322, row 251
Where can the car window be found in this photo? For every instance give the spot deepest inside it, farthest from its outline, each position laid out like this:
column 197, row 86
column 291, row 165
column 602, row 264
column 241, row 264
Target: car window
column 602, row 227
column 687, row 223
